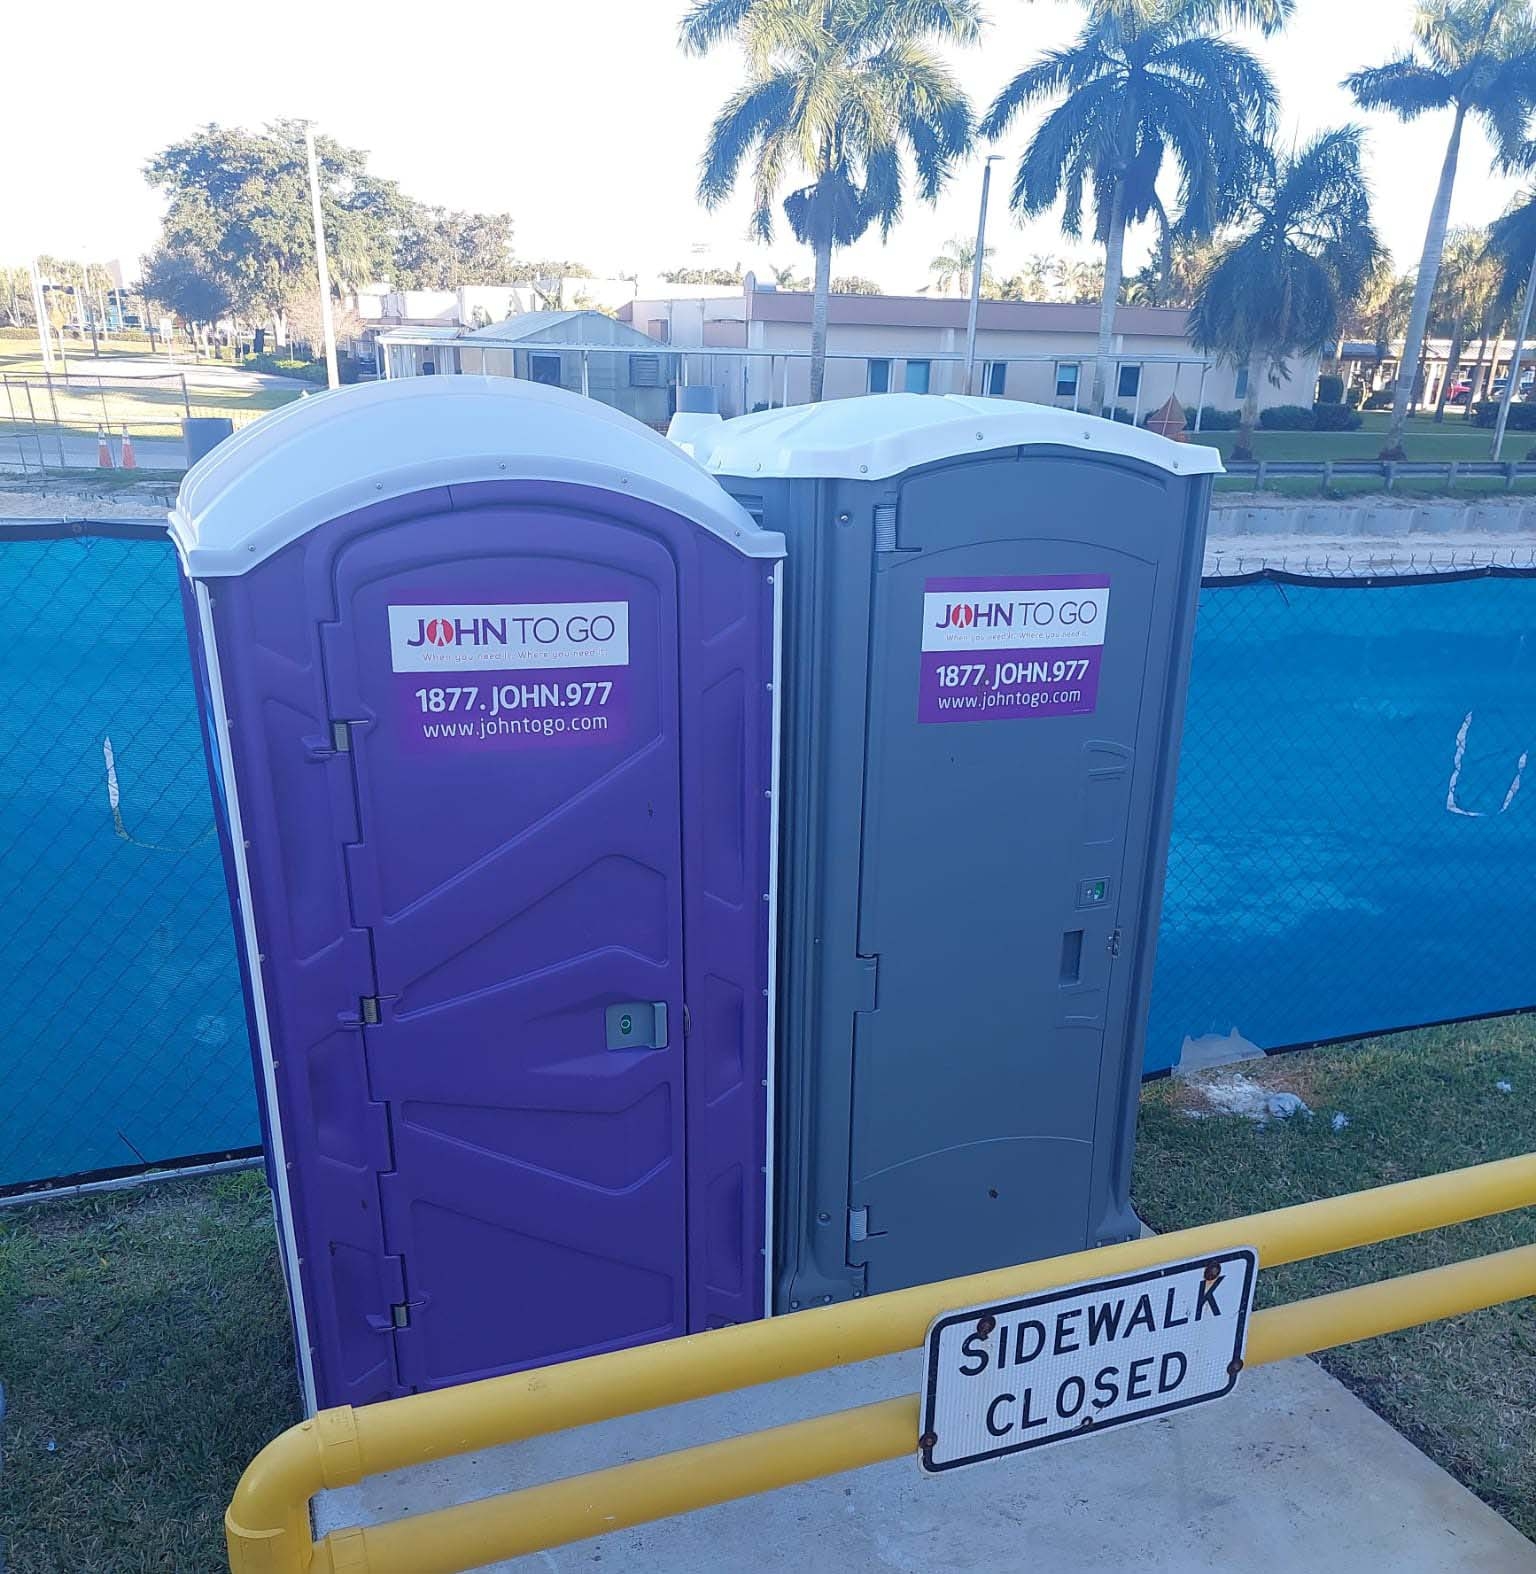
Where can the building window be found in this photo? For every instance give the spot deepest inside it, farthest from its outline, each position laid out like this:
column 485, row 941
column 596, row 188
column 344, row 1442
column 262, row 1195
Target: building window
column 660, row 328
column 544, row 369
column 879, row 376
column 917, row 376
column 997, row 378
column 1066, row 379
column 1240, row 387
column 1130, row 382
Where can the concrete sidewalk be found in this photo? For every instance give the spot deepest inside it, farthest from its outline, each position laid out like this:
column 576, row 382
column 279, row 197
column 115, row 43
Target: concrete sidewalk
column 1292, row 1473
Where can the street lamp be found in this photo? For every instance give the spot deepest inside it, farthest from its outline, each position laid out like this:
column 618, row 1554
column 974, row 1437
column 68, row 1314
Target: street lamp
column 322, row 264
column 1514, row 365
column 976, row 269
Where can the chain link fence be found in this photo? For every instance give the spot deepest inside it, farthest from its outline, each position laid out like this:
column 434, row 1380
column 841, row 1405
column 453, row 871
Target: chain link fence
column 66, row 421
column 1353, row 837
column 120, row 1007
column 1355, row 823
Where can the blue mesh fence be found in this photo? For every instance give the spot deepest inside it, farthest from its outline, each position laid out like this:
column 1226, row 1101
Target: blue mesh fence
column 1355, row 827
column 120, row 1010
column 1353, row 839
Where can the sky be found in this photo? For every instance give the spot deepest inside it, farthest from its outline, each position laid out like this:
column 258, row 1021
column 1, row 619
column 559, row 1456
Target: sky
column 584, row 121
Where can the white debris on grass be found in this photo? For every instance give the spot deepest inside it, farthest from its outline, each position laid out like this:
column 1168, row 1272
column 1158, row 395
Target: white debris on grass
column 1340, row 1121
column 1504, row 1087
column 1240, row 1095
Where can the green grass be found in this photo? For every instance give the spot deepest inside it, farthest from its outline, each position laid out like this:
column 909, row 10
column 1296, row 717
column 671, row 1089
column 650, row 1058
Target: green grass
column 1463, row 1390
column 145, row 1353
column 1456, row 438
column 151, row 410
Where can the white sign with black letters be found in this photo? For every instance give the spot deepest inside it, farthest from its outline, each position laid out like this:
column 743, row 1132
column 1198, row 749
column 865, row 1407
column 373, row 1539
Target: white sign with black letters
column 1071, row 1362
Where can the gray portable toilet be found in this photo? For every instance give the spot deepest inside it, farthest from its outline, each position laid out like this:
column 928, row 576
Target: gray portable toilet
column 989, row 610
column 487, row 676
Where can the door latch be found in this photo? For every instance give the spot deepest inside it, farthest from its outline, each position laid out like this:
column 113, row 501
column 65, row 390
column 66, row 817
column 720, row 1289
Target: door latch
column 1114, row 942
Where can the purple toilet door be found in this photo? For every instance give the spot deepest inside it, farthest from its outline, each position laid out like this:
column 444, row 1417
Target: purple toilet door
column 511, row 677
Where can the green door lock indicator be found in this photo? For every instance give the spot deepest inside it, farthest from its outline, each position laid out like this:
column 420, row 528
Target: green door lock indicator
column 636, row 1024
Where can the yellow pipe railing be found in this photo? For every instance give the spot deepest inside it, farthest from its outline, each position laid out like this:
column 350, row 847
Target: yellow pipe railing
column 267, row 1525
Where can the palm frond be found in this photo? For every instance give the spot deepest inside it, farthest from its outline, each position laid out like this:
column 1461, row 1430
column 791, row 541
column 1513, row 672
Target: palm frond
column 1048, row 76
column 710, row 22
column 1405, row 86
column 883, row 21
column 747, row 117
column 1512, row 246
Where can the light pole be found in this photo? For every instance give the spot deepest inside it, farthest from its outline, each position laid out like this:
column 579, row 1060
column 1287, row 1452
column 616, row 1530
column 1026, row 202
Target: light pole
column 1514, row 365
column 322, row 266
column 40, row 306
column 976, row 270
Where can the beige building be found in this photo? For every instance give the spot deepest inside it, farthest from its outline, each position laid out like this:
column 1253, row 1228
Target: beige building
column 752, row 345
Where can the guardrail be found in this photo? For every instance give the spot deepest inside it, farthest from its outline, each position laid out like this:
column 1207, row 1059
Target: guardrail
column 1389, row 471
column 267, row 1526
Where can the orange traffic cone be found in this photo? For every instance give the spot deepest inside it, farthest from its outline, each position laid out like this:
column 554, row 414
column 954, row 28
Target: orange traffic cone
column 129, row 462
column 103, row 450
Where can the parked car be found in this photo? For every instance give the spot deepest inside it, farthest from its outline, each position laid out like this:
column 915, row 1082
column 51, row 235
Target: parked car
column 1458, row 393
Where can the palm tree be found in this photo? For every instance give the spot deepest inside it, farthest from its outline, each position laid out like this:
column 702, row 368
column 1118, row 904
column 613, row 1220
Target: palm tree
column 840, row 90
column 954, row 263
column 1512, row 247
column 1079, row 281
column 1380, row 311
column 1468, row 282
column 1476, row 58
column 1284, row 284
column 789, row 277
column 1146, row 81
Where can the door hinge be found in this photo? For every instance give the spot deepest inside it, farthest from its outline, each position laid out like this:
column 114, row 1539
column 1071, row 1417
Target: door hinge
column 400, row 1314
column 1114, row 942
column 369, row 1010
column 858, row 1224
column 687, row 1020
column 337, row 741
column 885, row 527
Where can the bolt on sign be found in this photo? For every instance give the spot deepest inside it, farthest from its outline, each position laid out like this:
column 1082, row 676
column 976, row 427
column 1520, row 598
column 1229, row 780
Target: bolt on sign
column 1075, row 1361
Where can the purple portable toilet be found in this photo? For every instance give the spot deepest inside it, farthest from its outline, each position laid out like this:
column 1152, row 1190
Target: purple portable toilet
column 488, row 686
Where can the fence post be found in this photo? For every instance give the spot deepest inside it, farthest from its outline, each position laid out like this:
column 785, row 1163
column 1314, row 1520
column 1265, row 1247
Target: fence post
column 186, row 402
column 21, row 447
column 1258, row 475
column 1389, row 471
column 1450, row 476
column 1509, row 475
column 1327, row 474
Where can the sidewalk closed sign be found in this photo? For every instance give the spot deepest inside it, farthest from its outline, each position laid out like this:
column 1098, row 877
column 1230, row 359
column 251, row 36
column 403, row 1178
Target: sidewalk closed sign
column 1071, row 1362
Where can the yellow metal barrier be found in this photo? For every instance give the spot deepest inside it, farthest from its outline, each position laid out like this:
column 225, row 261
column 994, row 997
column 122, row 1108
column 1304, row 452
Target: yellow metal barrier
column 267, row 1525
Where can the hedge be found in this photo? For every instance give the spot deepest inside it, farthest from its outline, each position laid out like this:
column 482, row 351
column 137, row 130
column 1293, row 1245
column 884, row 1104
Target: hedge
column 1287, row 418
column 1330, row 389
column 1522, row 416
column 1335, row 418
column 1212, row 419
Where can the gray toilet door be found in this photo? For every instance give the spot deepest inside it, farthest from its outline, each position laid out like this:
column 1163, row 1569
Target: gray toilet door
column 992, row 873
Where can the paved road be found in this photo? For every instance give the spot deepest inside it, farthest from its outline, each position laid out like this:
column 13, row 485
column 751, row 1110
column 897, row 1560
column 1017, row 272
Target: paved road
column 21, row 452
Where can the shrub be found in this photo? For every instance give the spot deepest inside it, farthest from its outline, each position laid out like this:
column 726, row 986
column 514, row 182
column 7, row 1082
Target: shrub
column 1522, row 416
column 310, row 371
column 1288, row 418
column 1212, row 419
column 1356, row 396
column 1330, row 389
column 1381, row 399
column 1334, row 418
